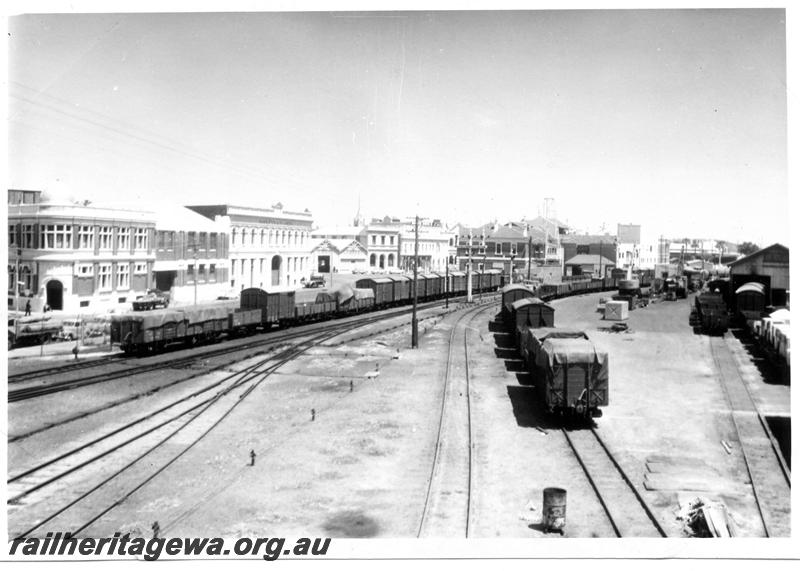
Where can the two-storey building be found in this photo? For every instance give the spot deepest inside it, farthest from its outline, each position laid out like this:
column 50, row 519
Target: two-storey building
column 76, row 257
column 269, row 247
column 191, row 256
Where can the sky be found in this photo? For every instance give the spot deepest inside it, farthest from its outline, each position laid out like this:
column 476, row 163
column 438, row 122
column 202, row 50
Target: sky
column 672, row 119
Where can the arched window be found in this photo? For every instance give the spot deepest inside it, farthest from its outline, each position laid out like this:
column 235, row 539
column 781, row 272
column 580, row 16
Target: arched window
column 233, row 236
column 253, row 237
column 391, row 260
column 372, row 260
column 382, row 261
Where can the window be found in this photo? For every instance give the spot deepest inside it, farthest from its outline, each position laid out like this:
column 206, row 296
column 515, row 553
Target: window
column 85, row 270
column 374, row 239
column 86, row 238
column 191, row 242
column 12, row 235
column 391, row 240
column 201, row 272
column 27, row 236
column 263, row 237
column 233, row 237
column 253, row 237
column 104, row 277
column 104, row 237
column 582, row 249
column 123, row 276
column 212, row 271
column 123, row 239
column 233, row 267
column 212, row 241
column 498, row 249
column 57, row 236
column 383, row 240
column 190, row 272
column 140, row 239
column 140, row 268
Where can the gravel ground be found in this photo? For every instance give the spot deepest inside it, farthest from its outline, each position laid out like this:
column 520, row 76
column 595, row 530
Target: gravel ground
column 359, row 469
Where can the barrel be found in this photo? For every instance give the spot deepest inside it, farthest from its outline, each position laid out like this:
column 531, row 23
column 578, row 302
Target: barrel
column 554, row 509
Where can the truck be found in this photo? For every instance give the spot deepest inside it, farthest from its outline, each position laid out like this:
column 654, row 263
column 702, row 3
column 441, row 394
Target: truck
column 31, row 330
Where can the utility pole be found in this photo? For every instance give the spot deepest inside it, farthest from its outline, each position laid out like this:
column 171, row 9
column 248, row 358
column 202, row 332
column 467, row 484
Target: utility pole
column 600, row 260
column 414, row 330
column 196, row 275
column 447, row 282
column 469, row 269
column 530, row 247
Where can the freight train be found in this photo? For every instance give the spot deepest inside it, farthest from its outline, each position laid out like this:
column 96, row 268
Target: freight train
column 140, row 332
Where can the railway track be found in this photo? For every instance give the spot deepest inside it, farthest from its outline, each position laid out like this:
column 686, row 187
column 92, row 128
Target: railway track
column 39, row 390
column 126, row 447
column 64, row 368
column 769, row 475
column 446, row 510
column 626, row 509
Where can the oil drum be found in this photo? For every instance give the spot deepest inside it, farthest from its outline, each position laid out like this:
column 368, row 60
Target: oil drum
column 554, row 509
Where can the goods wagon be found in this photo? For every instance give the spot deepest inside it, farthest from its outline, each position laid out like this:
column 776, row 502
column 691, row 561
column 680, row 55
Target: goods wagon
column 356, row 300
column 434, row 286
column 141, row 331
column 206, row 321
column 711, row 312
column 382, row 287
column 572, row 377
column 443, row 279
column 276, row 307
column 401, row 288
column 458, row 283
column 722, row 287
column 512, row 293
column 530, row 339
column 490, row 279
column 529, row 312
column 750, row 300
column 241, row 321
column 322, row 308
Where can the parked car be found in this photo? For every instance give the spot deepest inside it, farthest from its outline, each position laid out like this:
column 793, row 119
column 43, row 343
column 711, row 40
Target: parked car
column 70, row 329
column 315, row 281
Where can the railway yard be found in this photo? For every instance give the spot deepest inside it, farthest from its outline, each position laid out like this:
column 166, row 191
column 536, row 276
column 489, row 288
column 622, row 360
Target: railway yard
column 341, row 429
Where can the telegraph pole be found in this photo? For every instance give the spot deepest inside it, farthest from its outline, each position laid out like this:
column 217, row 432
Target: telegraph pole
column 469, row 269
column 414, row 329
column 530, row 246
column 447, row 282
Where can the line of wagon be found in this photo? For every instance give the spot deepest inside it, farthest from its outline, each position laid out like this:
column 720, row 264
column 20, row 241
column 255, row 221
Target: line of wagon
column 139, row 332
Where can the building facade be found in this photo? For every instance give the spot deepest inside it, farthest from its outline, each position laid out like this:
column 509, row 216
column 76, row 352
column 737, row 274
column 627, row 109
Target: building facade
column 77, row 257
column 512, row 248
column 381, row 238
column 191, row 256
column 433, row 246
column 270, row 248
